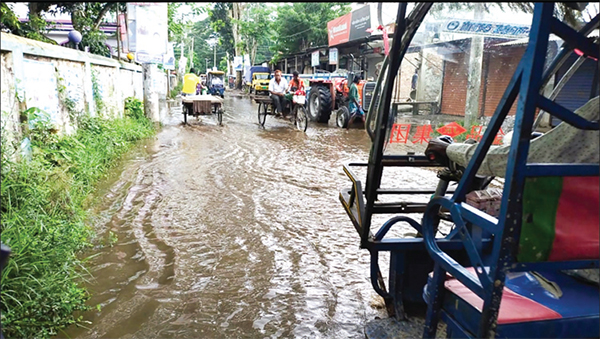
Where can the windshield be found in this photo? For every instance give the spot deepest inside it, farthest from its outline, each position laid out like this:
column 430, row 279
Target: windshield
column 455, row 72
column 261, row 76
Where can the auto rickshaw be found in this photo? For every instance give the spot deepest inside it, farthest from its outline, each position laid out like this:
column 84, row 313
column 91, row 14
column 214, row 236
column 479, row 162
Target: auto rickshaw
column 215, row 83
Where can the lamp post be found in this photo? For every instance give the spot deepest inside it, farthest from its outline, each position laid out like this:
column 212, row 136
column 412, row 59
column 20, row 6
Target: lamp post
column 213, row 42
column 75, row 37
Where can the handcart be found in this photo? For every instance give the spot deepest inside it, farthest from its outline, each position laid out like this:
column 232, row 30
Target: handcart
column 196, row 105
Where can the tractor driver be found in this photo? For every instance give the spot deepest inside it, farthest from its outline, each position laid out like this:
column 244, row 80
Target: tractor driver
column 354, row 106
column 277, row 87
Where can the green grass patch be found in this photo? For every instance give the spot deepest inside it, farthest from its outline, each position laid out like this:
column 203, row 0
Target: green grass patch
column 44, row 202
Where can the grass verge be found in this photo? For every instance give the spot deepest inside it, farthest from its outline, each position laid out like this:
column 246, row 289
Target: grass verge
column 43, row 205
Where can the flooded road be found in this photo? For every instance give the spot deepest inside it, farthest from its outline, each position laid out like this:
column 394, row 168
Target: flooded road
column 232, row 231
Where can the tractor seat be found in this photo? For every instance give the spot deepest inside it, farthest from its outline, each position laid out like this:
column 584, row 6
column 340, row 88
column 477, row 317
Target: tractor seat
column 557, row 305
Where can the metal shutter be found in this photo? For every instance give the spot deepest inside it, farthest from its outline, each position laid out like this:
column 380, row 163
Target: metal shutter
column 578, row 90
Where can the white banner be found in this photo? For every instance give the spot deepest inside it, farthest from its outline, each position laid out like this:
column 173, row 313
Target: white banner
column 169, row 60
column 333, row 56
column 315, row 59
column 148, row 30
column 238, row 63
column 182, row 65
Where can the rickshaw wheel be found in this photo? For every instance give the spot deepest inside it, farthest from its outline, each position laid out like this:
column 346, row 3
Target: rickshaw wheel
column 262, row 114
column 220, row 116
column 301, row 118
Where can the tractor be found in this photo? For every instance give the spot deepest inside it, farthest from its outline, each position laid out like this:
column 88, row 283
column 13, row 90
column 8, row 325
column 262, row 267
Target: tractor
column 327, row 95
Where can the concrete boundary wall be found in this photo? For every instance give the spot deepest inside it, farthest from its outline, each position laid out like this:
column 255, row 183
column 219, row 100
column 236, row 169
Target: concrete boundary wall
column 42, row 75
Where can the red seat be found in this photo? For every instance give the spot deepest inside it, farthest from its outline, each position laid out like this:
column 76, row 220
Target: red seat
column 514, row 308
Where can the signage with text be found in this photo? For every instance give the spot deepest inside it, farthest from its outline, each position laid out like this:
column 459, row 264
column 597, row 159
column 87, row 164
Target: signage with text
column 315, row 59
column 339, row 30
column 148, row 31
column 360, row 22
column 485, row 28
column 352, row 26
column 400, row 133
column 333, row 56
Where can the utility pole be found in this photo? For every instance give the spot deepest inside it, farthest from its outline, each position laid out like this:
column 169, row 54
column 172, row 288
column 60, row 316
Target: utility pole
column 118, row 35
column 215, row 58
column 192, row 54
column 474, row 75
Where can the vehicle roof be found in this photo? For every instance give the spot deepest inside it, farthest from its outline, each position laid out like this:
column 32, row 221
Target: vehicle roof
column 216, row 72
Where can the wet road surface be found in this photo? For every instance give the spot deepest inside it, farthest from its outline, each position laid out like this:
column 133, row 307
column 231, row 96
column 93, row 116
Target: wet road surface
column 233, row 231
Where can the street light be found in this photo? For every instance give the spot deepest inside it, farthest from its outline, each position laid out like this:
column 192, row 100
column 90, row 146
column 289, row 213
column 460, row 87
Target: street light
column 212, row 41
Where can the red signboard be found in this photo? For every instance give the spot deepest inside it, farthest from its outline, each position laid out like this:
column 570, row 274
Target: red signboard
column 452, row 129
column 339, row 29
column 123, row 31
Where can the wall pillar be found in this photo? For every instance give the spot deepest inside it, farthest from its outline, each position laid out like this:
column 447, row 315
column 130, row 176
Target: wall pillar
column 151, row 104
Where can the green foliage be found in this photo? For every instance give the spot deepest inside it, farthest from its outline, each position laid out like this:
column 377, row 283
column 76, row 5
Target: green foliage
column 134, row 108
column 201, row 32
column 97, row 94
column 176, row 90
column 8, row 19
column 220, row 21
column 34, row 29
column 303, row 25
column 69, row 104
column 256, row 28
column 43, row 205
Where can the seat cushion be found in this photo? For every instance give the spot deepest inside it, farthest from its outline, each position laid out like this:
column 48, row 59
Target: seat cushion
column 529, row 307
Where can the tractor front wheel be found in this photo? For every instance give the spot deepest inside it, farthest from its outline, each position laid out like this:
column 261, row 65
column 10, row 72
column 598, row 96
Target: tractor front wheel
column 342, row 117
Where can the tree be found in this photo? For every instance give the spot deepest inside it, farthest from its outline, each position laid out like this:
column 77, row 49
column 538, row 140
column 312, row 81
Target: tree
column 222, row 16
column 201, row 33
column 303, row 25
column 86, row 17
column 255, row 29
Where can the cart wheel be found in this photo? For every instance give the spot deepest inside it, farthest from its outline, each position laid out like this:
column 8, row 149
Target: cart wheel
column 185, row 115
column 220, row 116
column 301, row 118
column 262, row 114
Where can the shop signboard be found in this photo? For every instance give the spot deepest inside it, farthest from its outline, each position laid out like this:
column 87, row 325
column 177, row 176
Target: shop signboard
column 485, row 28
column 315, row 59
column 339, row 30
column 349, row 27
column 333, row 56
column 148, row 31
column 360, row 22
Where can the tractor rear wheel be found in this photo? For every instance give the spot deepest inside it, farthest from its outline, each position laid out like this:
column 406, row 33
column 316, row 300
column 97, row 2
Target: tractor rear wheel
column 319, row 104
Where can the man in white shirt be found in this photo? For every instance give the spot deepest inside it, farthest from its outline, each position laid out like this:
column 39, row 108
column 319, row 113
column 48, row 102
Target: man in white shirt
column 277, row 87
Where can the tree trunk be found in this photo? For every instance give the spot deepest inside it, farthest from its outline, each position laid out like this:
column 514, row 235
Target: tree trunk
column 102, row 14
column 236, row 9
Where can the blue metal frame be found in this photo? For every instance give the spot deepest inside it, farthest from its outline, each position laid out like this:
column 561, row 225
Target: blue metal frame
column 526, row 82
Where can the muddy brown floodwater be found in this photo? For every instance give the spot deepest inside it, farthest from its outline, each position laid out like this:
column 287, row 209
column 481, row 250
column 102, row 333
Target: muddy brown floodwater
column 231, row 231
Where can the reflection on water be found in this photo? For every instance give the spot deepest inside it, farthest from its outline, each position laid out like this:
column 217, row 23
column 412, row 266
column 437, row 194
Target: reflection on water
column 233, row 231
